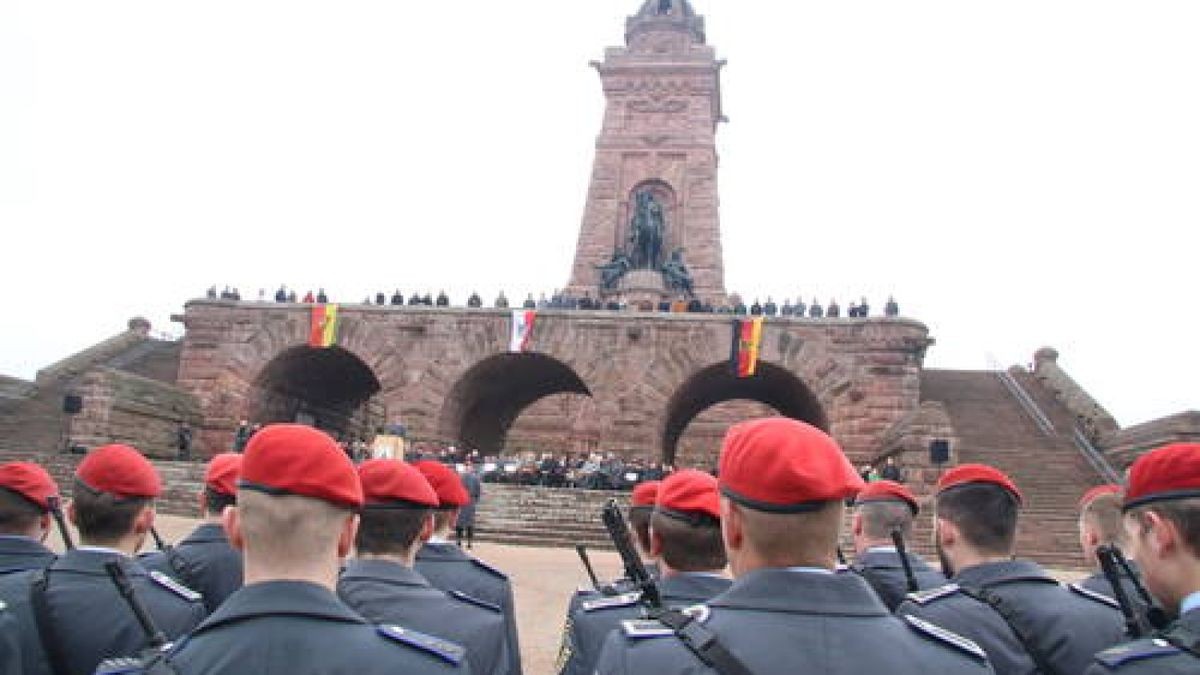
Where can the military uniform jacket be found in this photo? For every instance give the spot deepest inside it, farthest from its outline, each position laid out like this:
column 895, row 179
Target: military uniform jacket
column 1157, row 655
column 208, row 564
column 1068, row 625
column 596, row 616
column 90, row 620
column 883, row 569
column 10, row 647
column 466, row 515
column 389, row 593
column 299, row 628
column 448, row 568
column 778, row 621
column 18, row 554
column 1098, row 583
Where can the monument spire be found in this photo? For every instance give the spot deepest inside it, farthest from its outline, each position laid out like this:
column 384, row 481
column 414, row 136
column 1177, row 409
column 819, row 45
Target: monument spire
column 650, row 229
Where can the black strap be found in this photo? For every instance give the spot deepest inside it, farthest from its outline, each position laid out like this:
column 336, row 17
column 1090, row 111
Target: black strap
column 1183, row 638
column 47, row 634
column 702, row 642
column 997, row 603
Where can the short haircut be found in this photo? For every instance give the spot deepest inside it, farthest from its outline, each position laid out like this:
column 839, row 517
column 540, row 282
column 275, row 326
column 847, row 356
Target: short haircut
column 383, row 531
column 217, row 501
column 639, row 525
column 690, row 547
column 103, row 517
column 1104, row 515
column 18, row 515
column 984, row 513
column 289, row 527
column 445, row 518
column 1183, row 513
column 880, row 519
column 794, row 539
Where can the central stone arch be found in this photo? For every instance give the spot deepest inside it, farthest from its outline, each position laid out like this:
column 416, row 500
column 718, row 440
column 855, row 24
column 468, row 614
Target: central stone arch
column 331, row 389
column 772, row 386
column 483, row 404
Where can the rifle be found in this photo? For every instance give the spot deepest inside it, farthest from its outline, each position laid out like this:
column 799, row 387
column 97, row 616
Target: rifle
column 158, row 540
column 1137, row 624
column 55, row 506
column 605, row 589
column 909, row 576
column 635, row 571
column 150, row 661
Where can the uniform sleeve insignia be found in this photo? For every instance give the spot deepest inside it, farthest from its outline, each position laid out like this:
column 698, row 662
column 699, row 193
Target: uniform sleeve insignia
column 1135, row 651
column 475, row 601
column 443, row 649
column 944, row 636
column 1094, row 596
column 926, row 597
column 641, row 629
column 488, row 568
column 175, row 587
column 624, row 600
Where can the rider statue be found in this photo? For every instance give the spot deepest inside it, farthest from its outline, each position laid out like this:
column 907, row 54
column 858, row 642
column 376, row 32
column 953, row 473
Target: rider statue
column 646, row 231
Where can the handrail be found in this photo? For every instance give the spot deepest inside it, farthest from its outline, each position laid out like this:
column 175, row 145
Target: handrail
column 1096, row 458
column 1027, row 403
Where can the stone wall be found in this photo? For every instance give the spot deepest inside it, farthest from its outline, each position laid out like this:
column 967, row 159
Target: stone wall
column 1091, row 417
column 1128, row 444
column 120, row 407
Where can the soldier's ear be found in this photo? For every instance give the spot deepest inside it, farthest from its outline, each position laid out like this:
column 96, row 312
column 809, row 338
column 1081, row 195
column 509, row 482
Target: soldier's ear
column 231, row 521
column 856, row 524
column 346, row 536
column 656, row 544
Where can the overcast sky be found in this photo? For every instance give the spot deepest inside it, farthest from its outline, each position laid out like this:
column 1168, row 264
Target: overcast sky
column 1018, row 174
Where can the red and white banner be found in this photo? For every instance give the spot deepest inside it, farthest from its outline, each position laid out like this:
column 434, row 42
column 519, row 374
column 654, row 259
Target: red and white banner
column 522, row 330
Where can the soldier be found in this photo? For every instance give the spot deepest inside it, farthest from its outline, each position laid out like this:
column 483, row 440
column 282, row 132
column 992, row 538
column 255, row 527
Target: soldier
column 1162, row 522
column 641, row 506
column 205, row 561
column 294, row 520
column 1025, row 620
column 783, row 489
column 884, row 507
column 685, row 534
column 70, row 615
column 25, row 493
column 1100, row 524
column 381, row 584
column 448, row 568
column 465, row 522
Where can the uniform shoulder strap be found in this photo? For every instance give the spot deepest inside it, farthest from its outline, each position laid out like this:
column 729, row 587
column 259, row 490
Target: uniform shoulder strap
column 47, row 633
column 702, row 642
column 990, row 598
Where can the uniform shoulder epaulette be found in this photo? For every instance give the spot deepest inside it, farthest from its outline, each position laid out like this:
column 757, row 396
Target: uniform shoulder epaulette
column 641, row 629
column 459, row 595
column 443, row 649
column 932, row 594
column 611, row 602
column 1115, row 657
column 1094, row 596
column 174, row 586
column 946, row 637
column 488, row 568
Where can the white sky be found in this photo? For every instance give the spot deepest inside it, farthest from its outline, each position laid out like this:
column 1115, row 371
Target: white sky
column 1019, row 174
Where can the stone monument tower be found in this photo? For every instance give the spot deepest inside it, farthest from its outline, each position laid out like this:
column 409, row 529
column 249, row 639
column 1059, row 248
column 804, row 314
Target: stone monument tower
column 650, row 228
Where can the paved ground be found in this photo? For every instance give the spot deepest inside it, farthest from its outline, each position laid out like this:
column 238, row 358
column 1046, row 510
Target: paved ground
column 543, row 580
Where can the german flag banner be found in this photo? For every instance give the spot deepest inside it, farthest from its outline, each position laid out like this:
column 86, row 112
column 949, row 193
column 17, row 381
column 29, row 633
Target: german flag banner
column 323, row 327
column 747, row 337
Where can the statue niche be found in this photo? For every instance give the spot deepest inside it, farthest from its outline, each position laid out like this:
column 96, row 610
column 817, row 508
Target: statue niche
column 645, row 246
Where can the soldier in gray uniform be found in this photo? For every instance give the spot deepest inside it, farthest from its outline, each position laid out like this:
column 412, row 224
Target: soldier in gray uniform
column 784, row 485
column 204, row 560
column 25, row 491
column 381, row 584
column 70, row 615
column 884, row 507
column 449, row 568
column 685, row 534
column 295, row 518
column 10, row 648
column 1025, row 620
column 1100, row 524
column 1162, row 521
column 465, row 523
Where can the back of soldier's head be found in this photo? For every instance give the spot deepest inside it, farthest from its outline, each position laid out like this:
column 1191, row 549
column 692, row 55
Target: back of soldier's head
column 18, row 515
column 399, row 501
column 1166, row 481
column 26, row 491
column 1102, row 516
column 881, row 519
column 114, row 484
column 220, row 482
column 985, row 515
column 686, row 522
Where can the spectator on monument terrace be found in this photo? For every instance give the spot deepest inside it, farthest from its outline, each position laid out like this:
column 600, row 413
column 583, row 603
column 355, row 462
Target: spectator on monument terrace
column 787, row 309
column 501, row 301
column 852, row 311
column 696, row 307
column 529, row 303
column 864, row 310
column 443, row 300
column 321, row 297
column 474, row 302
column 380, row 298
column 237, row 295
column 262, row 295
column 815, row 311
column 427, row 300
column 309, row 298
column 756, row 309
column 834, row 310
column 281, row 294
column 799, row 308
column 891, row 308
column 211, row 294
column 292, row 296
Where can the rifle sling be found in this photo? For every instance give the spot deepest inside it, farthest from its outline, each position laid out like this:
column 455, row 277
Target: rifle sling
column 47, row 633
column 991, row 599
column 702, row 642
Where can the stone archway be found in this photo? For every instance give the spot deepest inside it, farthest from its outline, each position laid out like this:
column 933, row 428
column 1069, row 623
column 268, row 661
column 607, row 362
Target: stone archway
column 772, row 388
column 484, row 403
column 331, row 389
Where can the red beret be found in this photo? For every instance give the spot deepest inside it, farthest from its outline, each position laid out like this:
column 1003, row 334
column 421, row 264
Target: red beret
column 445, row 482
column 784, row 466
column 888, row 491
column 387, row 481
column 121, row 471
column 299, row 460
column 645, row 494
column 30, row 481
column 687, row 493
column 1170, row 472
column 965, row 474
column 1090, row 495
column 222, row 473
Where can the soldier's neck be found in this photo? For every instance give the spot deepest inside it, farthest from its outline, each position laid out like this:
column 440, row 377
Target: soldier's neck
column 129, row 544
column 322, row 572
column 404, row 560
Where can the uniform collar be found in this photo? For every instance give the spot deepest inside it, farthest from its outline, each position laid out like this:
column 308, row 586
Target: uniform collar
column 693, row 586
column 383, row 570
column 1008, row 571
column 11, row 543
column 439, row 552
column 783, row 590
column 280, row 598
column 206, row 533
column 90, row 560
column 888, row 558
